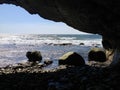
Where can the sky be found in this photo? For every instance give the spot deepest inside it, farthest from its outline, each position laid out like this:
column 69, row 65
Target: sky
column 15, row 20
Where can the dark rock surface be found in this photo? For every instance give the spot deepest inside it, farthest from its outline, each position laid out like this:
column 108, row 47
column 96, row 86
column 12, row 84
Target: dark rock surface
column 97, row 54
column 71, row 58
column 92, row 16
column 34, row 56
column 61, row 78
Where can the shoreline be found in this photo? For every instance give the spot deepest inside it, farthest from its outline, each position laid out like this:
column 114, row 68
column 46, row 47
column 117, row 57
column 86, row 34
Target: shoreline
column 42, row 77
column 13, row 54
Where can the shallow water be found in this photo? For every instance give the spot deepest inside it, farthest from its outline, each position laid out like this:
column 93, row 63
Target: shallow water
column 11, row 54
column 13, row 48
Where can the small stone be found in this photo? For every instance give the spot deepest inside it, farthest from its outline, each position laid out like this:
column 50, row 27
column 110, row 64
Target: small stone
column 48, row 62
column 82, row 44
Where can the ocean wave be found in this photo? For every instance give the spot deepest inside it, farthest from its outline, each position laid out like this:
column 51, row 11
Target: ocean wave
column 14, row 47
column 54, row 39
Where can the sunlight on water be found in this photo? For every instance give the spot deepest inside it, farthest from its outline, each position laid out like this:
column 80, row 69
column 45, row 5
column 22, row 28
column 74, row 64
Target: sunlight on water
column 14, row 47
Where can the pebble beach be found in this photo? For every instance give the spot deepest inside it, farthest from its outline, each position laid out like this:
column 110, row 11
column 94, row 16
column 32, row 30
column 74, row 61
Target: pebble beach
column 60, row 78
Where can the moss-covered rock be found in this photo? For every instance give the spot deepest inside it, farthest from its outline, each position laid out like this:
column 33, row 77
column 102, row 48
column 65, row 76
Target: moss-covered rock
column 71, row 58
column 97, row 54
column 34, row 56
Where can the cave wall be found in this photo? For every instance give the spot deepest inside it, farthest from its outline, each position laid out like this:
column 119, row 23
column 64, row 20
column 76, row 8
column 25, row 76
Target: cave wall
column 92, row 16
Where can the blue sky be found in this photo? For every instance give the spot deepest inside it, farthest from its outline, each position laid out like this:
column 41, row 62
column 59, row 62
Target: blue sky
column 16, row 20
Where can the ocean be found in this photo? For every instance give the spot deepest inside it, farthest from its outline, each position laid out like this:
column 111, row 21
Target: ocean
column 13, row 48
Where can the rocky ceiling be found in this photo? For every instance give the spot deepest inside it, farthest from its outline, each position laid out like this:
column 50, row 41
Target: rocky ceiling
column 92, row 16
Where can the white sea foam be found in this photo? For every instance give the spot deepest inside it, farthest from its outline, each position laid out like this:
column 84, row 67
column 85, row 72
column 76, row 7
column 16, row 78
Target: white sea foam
column 32, row 39
column 14, row 47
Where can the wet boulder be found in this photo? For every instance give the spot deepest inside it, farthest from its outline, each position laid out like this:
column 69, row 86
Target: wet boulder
column 71, row 58
column 81, row 44
column 34, row 56
column 48, row 62
column 97, row 54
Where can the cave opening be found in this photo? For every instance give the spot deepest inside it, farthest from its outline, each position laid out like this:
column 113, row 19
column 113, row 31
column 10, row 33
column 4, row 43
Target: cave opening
column 22, row 32
column 101, row 17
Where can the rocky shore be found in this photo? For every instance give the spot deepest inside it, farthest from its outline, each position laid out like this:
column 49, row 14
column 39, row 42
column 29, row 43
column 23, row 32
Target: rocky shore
column 34, row 77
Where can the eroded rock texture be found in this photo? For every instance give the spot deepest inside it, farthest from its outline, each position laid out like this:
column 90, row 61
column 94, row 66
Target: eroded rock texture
column 92, row 16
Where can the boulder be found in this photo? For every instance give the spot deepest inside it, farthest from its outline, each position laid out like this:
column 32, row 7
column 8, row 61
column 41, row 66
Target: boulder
column 97, row 54
column 71, row 58
column 34, row 56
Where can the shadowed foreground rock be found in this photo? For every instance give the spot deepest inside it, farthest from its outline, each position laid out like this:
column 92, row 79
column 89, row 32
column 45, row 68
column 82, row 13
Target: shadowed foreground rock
column 93, row 16
column 61, row 78
column 71, row 58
